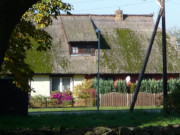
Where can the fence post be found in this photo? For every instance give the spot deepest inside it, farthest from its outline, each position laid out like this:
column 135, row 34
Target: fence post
column 100, row 100
column 72, row 102
column 154, row 99
column 46, row 102
column 127, row 99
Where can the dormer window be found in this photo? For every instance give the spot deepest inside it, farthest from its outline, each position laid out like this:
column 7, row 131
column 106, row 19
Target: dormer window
column 80, row 35
column 75, row 50
column 83, row 50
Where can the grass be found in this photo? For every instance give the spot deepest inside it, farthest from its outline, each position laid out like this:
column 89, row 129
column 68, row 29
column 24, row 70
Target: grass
column 88, row 109
column 88, row 120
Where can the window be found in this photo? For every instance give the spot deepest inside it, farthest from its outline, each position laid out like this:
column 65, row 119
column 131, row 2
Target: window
column 83, row 50
column 61, row 84
column 55, row 84
column 74, row 49
column 88, row 50
column 65, row 83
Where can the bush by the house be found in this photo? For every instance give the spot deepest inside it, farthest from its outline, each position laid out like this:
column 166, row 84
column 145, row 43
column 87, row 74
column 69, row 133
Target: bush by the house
column 64, row 97
column 172, row 102
column 173, row 84
column 121, row 86
column 149, row 86
column 84, row 93
column 132, row 88
column 105, row 86
column 37, row 101
column 86, row 84
column 57, row 95
column 67, row 98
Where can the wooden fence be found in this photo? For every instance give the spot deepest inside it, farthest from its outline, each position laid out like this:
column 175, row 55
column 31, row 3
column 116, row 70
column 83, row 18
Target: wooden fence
column 119, row 99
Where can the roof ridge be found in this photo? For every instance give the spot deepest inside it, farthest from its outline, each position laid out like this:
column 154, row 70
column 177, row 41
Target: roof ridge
column 147, row 15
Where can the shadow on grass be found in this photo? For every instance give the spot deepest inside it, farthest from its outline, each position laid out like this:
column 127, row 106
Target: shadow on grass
column 115, row 119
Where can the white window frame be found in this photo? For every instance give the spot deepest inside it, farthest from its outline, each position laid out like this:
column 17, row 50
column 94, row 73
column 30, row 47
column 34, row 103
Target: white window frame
column 75, row 50
column 60, row 85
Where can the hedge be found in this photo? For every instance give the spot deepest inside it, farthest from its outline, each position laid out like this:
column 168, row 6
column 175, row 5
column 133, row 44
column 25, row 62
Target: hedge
column 149, row 86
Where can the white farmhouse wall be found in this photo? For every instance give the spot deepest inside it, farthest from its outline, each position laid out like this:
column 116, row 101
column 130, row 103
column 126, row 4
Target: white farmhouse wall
column 41, row 85
column 78, row 79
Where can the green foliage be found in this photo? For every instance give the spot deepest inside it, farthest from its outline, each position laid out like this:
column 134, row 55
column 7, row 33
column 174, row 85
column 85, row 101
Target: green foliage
column 105, row 86
column 41, row 11
column 173, row 84
column 37, row 101
column 151, row 86
column 82, row 88
column 172, row 102
column 132, row 87
column 84, row 94
column 29, row 35
column 121, row 86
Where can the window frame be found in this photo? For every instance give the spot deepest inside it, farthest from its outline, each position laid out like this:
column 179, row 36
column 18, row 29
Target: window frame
column 60, row 83
column 75, row 50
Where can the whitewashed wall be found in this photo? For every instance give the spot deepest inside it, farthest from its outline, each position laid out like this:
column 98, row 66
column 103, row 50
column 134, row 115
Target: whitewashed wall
column 78, row 79
column 41, row 84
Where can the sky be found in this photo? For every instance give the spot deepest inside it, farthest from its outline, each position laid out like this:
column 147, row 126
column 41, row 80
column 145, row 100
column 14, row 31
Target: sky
column 129, row 7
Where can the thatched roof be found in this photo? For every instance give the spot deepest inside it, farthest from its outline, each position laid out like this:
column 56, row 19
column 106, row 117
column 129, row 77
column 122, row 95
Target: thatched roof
column 123, row 46
column 78, row 29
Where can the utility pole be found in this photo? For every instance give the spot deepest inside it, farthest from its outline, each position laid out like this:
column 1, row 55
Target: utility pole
column 164, row 51
column 98, row 75
column 145, row 62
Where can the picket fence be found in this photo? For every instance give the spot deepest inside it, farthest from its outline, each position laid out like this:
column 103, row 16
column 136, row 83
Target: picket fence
column 110, row 99
column 119, row 99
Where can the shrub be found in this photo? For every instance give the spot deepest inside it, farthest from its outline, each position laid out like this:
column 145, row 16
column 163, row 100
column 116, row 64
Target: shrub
column 172, row 103
column 105, row 86
column 67, row 95
column 37, row 101
column 85, row 85
column 132, row 88
column 62, row 97
column 151, row 86
column 58, row 96
column 121, row 86
column 85, row 93
column 173, row 84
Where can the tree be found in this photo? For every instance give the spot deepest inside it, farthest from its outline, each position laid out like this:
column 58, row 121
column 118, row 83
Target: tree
column 30, row 28
column 11, row 12
column 175, row 31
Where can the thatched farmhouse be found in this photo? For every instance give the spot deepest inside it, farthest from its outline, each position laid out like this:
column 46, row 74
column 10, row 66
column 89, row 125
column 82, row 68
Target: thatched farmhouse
column 124, row 41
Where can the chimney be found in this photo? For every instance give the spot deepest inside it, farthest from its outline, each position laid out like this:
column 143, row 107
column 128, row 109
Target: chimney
column 119, row 15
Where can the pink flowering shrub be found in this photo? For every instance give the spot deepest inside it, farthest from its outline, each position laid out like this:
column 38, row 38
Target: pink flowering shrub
column 66, row 95
column 62, row 96
column 88, row 93
column 57, row 96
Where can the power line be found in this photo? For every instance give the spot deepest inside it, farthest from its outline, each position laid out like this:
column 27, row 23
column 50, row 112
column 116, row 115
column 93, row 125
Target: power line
column 81, row 2
column 116, row 6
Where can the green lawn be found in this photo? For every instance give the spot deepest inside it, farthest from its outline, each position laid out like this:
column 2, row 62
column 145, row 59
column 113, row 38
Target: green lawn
column 89, row 108
column 73, row 121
